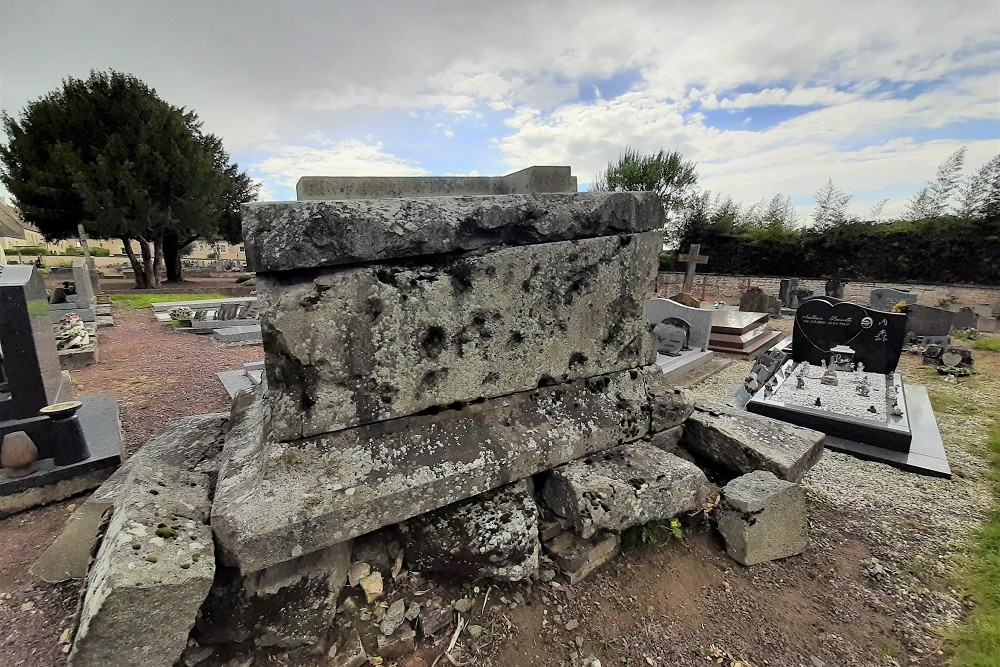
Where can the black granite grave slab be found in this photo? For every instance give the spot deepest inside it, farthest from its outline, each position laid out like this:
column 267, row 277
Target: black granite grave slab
column 822, row 323
column 102, row 430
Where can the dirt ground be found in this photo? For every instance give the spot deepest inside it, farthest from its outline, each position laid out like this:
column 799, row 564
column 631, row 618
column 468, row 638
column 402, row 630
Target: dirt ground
column 875, row 587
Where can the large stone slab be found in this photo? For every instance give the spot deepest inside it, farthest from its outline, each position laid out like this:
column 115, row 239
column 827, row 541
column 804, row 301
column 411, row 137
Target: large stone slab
column 763, row 518
column 156, row 564
column 493, row 535
column 625, row 486
column 745, row 442
column 363, row 345
column 276, row 501
column 282, row 236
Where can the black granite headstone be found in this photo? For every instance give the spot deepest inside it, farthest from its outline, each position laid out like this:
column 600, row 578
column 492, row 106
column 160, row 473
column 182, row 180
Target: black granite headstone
column 822, row 323
column 30, row 360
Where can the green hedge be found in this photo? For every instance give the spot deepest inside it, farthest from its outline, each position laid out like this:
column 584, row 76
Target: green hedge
column 940, row 250
column 27, row 250
column 96, row 252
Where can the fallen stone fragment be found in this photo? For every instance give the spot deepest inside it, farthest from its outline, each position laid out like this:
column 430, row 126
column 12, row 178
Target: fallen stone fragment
column 156, row 564
column 494, row 534
column 412, row 612
column 70, row 556
column 347, row 650
column 625, row 486
column 286, row 605
column 578, row 558
column 372, row 586
column 398, row 644
column 763, row 518
column 282, row 236
column 277, row 501
column 393, row 617
column 358, row 572
column 435, row 619
column 744, row 442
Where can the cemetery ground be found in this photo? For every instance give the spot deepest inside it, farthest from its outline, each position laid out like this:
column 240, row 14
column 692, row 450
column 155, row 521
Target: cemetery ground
column 882, row 583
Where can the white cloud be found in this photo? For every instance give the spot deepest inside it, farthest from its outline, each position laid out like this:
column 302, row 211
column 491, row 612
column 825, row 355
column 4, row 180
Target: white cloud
column 345, row 158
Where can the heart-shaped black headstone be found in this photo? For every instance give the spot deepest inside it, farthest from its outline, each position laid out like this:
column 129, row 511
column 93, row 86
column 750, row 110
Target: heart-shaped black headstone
column 822, row 323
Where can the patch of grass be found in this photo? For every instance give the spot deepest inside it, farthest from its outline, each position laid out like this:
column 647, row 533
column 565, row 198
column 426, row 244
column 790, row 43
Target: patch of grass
column 991, row 344
column 977, row 643
column 654, row 533
column 140, row 301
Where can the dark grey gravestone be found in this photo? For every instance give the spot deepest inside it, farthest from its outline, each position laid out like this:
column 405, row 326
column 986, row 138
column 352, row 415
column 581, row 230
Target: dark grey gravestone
column 800, row 295
column 835, row 288
column 753, row 301
column 698, row 319
column 884, row 298
column 32, row 377
column 966, row 318
column 928, row 321
column 786, row 292
column 823, row 323
column 672, row 336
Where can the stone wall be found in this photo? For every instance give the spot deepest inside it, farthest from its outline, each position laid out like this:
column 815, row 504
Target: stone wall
column 982, row 299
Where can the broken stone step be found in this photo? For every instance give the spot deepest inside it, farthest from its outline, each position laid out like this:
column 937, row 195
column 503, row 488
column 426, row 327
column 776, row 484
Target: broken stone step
column 625, row 486
column 363, row 345
column 745, row 442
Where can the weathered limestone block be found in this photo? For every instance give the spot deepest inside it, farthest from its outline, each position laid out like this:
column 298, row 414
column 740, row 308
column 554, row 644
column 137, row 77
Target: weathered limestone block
column 669, row 405
column 277, row 501
column 285, row 605
column 763, row 518
column 282, row 236
column 494, row 534
column 579, row 558
column 363, row 345
column 744, row 442
column 625, row 486
column 156, row 564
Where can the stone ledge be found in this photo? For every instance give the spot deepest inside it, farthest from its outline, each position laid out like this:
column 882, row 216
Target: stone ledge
column 284, row 236
column 364, row 345
column 277, row 501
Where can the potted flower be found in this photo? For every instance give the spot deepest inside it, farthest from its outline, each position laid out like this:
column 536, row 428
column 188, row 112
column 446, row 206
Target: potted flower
column 181, row 316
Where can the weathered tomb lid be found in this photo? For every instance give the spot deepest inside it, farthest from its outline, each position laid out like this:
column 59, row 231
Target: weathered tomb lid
column 286, row 236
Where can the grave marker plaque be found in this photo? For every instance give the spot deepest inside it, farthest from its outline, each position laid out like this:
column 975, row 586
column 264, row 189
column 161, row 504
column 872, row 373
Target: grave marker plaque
column 27, row 345
column 823, row 323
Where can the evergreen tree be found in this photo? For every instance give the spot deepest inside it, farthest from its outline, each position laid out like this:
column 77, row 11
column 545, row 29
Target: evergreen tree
column 107, row 152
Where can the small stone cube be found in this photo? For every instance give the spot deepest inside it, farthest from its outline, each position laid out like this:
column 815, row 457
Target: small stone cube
column 763, row 518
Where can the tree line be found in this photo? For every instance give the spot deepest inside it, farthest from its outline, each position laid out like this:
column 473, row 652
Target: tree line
column 108, row 153
column 950, row 230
